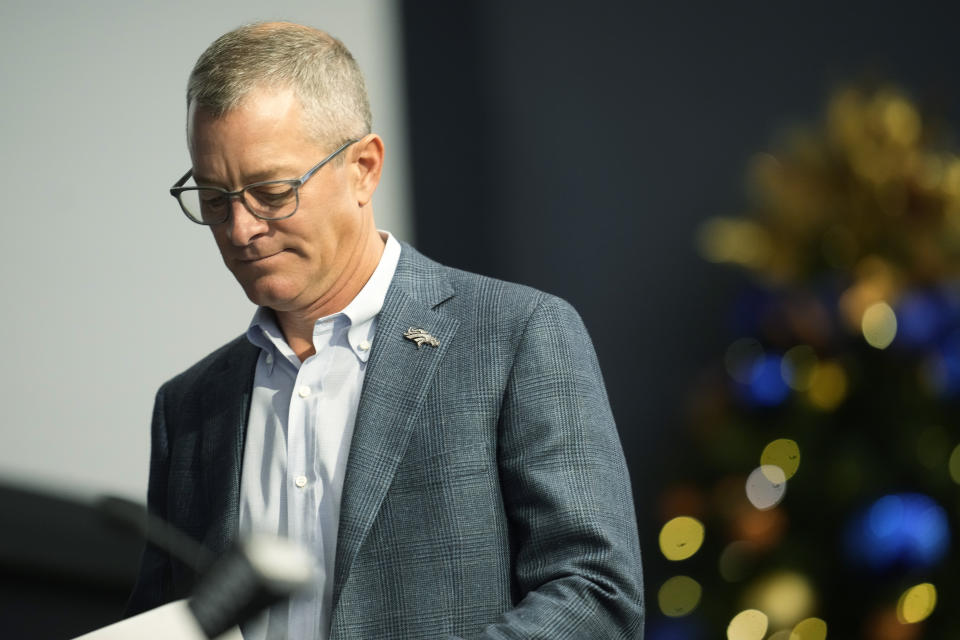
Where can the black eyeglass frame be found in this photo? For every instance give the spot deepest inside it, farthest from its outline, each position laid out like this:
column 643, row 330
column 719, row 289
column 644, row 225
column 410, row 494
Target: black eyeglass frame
column 296, row 183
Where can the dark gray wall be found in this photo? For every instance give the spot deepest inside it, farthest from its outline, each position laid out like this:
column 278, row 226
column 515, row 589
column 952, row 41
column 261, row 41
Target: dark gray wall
column 576, row 146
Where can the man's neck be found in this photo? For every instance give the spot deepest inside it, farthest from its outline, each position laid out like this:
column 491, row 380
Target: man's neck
column 297, row 325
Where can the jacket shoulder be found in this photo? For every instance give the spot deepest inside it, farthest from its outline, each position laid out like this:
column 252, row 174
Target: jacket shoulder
column 483, row 296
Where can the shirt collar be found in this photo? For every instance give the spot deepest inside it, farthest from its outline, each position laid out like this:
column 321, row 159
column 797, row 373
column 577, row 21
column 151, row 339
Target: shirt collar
column 360, row 313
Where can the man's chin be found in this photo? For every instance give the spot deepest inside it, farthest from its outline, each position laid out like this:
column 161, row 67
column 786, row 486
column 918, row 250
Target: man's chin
column 267, row 292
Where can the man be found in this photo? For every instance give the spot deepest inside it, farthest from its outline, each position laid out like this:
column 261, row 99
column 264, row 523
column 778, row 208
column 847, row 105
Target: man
column 442, row 441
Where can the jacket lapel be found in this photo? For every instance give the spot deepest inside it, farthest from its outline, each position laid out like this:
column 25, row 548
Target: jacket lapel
column 222, row 439
column 398, row 377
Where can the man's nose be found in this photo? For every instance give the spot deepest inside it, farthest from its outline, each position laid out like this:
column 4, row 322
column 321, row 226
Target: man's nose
column 243, row 226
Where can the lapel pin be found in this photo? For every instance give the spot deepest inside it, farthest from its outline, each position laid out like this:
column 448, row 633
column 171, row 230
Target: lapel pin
column 421, row 337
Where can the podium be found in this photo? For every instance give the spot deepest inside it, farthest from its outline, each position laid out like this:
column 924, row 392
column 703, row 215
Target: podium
column 168, row 622
column 41, row 544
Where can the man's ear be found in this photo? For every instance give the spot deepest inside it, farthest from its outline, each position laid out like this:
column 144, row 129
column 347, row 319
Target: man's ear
column 368, row 164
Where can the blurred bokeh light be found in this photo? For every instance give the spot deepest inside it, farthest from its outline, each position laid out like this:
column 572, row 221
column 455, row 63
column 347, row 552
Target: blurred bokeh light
column 678, row 596
column 786, row 597
column 748, row 625
column 904, row 530
column 809, row 629
column 828, row 386
column 955, row 464
column 783, row 453
column 766, row 486
column 879, row 325
column 917, row 603
column 681, row 537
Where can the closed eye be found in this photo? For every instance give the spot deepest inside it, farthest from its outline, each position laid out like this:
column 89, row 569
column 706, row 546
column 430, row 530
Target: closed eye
column 274, row 195
column 211, row 197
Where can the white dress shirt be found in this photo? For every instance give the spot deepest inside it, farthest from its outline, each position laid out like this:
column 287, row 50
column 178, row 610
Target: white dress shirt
column 298, row 436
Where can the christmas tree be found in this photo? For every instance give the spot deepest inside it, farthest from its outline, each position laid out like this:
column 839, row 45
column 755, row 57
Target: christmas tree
column 817, row 492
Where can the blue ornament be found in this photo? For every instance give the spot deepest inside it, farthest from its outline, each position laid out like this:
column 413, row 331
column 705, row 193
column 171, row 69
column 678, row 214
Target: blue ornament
column 898, row 531
column 766, row 386
column 923, row 317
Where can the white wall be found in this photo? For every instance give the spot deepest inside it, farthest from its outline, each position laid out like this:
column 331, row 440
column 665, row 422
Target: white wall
column 107, row 289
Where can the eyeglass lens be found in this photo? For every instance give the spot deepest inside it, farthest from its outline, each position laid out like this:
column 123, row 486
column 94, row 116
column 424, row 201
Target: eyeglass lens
column 267, row 200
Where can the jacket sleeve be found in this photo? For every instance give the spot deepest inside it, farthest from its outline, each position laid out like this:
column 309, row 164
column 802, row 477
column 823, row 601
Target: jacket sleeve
column 566, row 490
column 153, row 579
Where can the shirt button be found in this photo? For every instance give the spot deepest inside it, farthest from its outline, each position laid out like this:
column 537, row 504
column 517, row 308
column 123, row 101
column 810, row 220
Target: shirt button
column 301, row 482
column 364, row 346
column 303, row 391
column 269, row 358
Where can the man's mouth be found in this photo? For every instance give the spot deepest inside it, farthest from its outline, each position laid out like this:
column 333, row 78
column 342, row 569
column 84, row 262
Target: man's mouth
column 258, row 258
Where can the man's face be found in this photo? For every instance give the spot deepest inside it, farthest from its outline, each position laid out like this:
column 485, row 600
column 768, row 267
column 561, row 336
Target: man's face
column 291, row 264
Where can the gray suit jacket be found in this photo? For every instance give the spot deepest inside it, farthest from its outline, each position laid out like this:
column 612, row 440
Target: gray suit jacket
column 486, row 493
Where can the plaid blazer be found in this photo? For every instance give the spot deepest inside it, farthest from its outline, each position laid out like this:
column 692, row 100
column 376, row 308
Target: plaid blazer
column 486, row 494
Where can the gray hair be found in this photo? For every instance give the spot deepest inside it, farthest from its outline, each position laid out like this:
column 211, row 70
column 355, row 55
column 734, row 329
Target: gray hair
column 314, row 64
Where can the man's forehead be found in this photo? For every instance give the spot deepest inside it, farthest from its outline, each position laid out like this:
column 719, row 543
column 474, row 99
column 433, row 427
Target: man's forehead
column 263, row 137
column 281, row 171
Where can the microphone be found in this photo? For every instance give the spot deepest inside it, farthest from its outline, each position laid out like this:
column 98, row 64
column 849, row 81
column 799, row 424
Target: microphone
column 257, row 573
column 253, row 575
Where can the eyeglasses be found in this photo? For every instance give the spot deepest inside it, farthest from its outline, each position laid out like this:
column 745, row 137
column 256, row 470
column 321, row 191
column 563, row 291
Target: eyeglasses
column 269, row 200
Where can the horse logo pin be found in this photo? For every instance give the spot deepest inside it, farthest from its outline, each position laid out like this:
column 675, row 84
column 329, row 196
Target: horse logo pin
column 420, row 337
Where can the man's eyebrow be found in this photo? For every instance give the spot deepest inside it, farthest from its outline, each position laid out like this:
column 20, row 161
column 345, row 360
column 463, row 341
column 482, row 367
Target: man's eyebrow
column 274, row 173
